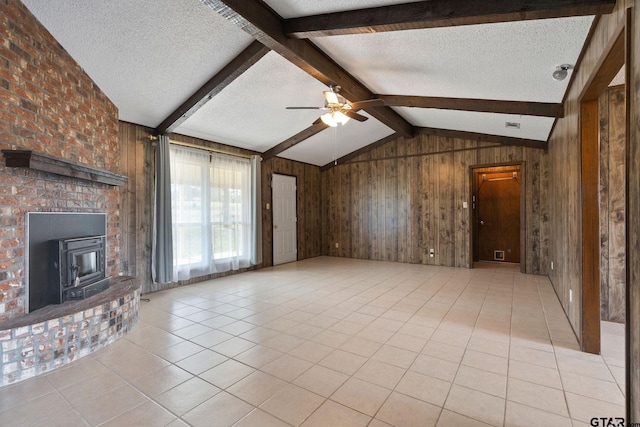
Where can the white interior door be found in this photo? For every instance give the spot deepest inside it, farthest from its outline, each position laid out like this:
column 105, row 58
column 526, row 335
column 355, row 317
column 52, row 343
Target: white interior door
column 285, row 239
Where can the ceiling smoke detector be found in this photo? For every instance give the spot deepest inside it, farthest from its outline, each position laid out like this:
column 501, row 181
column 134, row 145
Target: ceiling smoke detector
column 561, row 71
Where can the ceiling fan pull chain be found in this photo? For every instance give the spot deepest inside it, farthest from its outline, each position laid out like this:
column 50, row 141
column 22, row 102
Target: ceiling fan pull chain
column 335, row 159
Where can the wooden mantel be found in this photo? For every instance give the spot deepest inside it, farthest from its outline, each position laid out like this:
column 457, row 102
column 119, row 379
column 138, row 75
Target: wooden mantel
column 44, row 163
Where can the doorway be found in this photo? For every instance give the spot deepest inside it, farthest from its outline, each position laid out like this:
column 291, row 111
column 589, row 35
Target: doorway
column 612, row 60
column 497, row 213
column 285, row 221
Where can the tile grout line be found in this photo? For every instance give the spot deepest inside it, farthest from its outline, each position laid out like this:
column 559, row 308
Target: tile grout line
column 506, row 391
column 555, row 354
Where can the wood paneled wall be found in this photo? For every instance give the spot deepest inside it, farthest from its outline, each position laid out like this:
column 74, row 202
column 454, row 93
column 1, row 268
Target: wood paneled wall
column 565, row 249
column 138, row 163
column 398, row 201
column 633, row 218
column 612, row 111
column 136, row 206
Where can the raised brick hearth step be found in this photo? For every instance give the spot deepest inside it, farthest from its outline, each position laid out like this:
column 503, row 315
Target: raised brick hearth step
column 55, row 335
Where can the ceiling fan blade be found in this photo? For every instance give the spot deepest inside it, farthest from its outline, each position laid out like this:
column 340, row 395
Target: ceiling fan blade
column 318, row 121
column 355, row 116
column 369, row 103
column 304, row 108
column 331, row 97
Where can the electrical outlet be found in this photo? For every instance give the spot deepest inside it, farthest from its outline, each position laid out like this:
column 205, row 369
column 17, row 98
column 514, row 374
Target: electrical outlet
column 570, row 295
column 337, row 245
column 432, row 253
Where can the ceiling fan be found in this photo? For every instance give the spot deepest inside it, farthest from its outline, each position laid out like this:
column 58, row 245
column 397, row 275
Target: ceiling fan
column 338, row 109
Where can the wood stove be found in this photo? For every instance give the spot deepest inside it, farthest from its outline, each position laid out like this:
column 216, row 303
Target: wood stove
column 76, row 268
column 58, row 241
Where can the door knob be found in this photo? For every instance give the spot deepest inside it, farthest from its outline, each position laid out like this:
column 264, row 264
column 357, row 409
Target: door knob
column 481, row 222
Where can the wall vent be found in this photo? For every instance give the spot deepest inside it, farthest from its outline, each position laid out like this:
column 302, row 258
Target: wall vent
column 512, row 125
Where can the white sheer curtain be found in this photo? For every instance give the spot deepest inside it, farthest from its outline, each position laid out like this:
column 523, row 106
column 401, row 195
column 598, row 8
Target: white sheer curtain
column 211, row 211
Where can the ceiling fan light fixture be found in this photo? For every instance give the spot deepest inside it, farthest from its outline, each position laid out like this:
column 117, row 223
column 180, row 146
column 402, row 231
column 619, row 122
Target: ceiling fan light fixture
column 334, row 118
column 340, row 117
column 339, row 110
column 561, row 71
column 328, row 120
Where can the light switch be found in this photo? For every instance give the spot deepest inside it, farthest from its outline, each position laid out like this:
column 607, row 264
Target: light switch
column 465, row 205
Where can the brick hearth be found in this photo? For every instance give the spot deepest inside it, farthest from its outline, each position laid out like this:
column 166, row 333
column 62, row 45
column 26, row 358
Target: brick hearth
column 53, row 336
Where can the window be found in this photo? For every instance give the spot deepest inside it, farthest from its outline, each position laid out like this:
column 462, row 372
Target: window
column 211, row 212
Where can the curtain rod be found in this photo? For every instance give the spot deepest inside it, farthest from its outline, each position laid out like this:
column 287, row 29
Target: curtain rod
column 200, row 147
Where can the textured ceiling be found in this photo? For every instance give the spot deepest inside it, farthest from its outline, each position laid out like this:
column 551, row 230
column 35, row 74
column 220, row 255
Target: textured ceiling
column 536, row 128
column 496, row 61
column 273, row 83
column 334, row 143
column 149, row 56
column 619, row 79
column 296, row 8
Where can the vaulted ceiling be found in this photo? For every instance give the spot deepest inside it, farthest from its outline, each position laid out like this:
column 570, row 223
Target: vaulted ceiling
column 225, row 70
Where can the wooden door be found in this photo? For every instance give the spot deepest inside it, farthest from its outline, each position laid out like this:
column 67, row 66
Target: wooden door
column 285, row 240
column 497, row 215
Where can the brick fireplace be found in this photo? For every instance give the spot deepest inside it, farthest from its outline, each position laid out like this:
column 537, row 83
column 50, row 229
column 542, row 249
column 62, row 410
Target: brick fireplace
column 51, row 108
column 49, row 105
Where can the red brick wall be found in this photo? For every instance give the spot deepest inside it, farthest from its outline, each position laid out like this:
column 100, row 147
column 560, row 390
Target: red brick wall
column 49, row 105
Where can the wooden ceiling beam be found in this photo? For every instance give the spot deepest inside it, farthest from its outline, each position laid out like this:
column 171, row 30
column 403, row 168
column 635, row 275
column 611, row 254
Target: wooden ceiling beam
column 482, row 137
column 525, row 108
column 222, row 79
column 266, row 26
column 315, row 128
column 439, row 13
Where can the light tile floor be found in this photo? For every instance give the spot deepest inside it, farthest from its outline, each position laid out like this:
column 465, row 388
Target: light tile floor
column 339, row 342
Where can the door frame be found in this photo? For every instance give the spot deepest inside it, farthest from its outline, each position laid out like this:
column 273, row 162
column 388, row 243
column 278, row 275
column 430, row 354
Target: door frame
column 612, row 59
column 273, row 241
column 523, row 217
